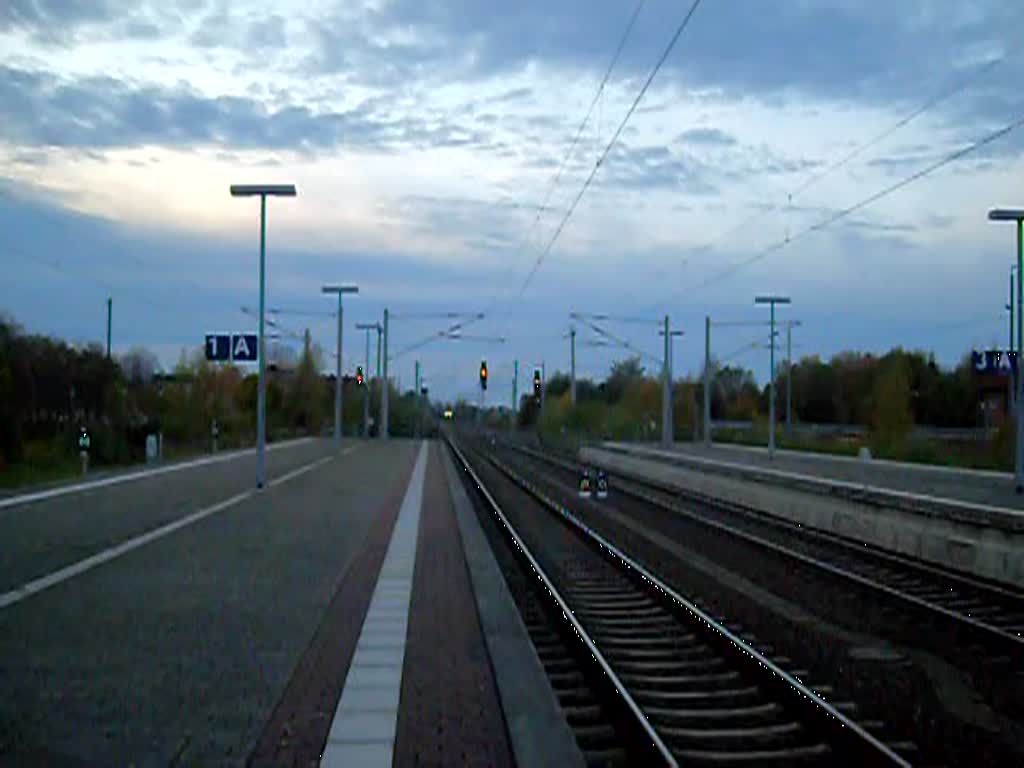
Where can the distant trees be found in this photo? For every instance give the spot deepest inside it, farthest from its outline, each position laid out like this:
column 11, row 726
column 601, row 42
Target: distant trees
column 886, row 394
column 49, row 389
column 892, row 416
column 844, row 390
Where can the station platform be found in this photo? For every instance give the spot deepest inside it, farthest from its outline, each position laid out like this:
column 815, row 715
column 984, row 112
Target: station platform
column 964, row 519
column 439, row 669
column 985, row 496
column 349, row 613
column 970, row 485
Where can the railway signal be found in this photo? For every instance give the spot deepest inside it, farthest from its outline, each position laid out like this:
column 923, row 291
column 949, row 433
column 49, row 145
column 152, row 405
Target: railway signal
column 585, row 482
column 483, row 374
column 536, row 383
column 359, row 375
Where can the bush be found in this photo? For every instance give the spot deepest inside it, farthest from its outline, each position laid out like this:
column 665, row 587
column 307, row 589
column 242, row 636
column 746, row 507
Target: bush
column 892, row 416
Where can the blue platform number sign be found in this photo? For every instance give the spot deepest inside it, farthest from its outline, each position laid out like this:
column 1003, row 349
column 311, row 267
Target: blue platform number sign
column 994, row 361
column 244, row 347
column 240, row 347
column 218, row 346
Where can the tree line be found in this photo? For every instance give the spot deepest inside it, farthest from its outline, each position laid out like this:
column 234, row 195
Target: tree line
column 886, row 394
column 50, row 389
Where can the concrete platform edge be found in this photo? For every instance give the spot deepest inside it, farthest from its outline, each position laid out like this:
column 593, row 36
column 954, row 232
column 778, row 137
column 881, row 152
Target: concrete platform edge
column 537, row 726
column 954, row 510
column 981, row 550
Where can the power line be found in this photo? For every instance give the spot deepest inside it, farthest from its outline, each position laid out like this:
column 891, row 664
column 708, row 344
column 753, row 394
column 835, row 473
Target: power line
column 741, row 350
column 813, row 179
column 445, row 333
column 621, row 342
column 436, row 315
column 615, row 137
column 579, row 132
column 843, row 213
column 935, row 100
column 300, row 312
column 616, row 318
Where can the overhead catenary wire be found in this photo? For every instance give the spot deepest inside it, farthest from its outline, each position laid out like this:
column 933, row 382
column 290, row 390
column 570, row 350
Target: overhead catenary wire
column 935, row 100
column 616, row 318
column 444, row 333
column 620, row 342
column 863, row 203
column 556, row 178
column 813, row 178
column 741, row 350
column 607, row 150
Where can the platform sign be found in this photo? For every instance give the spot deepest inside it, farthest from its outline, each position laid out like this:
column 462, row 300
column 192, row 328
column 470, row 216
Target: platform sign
column 994, row 361
column 244, row 347
column 240, row 347
column 218, row 346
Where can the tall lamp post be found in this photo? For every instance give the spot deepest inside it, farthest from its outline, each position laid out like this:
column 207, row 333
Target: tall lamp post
column 771, row 301
column 1017, row 215
column 262, row 191
column 340, row 290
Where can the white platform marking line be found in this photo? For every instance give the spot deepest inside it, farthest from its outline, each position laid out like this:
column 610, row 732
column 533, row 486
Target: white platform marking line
column 363, row 729
column 26, row 498
column 30, row 588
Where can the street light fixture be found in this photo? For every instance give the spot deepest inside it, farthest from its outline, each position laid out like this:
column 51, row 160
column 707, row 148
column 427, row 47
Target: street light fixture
column 340, row 290
column 262, row 191
column 771, row 300
column 1017, row 215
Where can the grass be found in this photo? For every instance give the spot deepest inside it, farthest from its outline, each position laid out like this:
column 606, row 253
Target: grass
column 21, row 475
column 968, row 455
column 52, row 468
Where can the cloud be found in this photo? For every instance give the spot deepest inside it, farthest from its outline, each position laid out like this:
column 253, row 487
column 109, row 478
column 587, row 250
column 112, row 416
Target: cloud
column 40, row 15
column 68, row 22
column 657, row 167
column 103, row 112
column 707, row 136
column 834, row 50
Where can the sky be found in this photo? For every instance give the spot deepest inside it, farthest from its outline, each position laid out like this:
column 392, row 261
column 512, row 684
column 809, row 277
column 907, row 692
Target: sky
column 437, row 150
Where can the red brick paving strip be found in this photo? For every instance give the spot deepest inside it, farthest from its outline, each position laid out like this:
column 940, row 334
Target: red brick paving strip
column 297, row 730
column 449, row 712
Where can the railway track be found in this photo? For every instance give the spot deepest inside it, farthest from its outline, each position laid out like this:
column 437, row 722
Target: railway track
column 991, row 613
column 679, row 688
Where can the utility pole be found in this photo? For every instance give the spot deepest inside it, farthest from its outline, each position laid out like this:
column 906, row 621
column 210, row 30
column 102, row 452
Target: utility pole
column 379, row 331
column 668, row 425
column 771, row 301
column 416, row 396
column 110, row 313
column 384, row 383
column 340, row 290
column 572, row 366
column 366, row 376
column 515, row 392
column 789, row 377
column 707, row 380
column 666, row 392
column 1010, row 398
column 543, row 386
column 366, row 389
